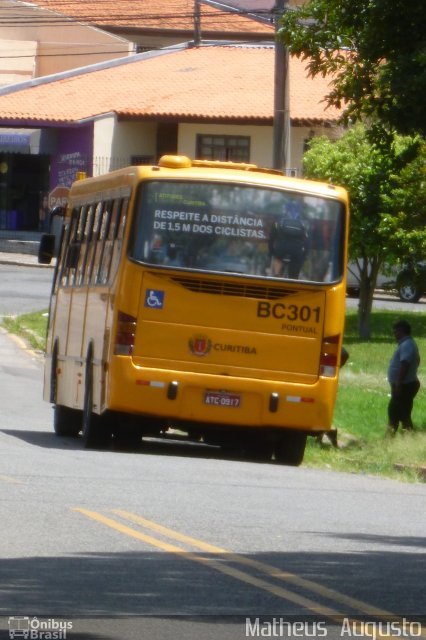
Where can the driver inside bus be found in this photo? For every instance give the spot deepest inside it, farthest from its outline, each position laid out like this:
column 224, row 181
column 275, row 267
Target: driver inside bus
column 288, row 240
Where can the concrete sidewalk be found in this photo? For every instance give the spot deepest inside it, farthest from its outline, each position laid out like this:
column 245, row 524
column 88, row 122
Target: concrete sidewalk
column 23, row 259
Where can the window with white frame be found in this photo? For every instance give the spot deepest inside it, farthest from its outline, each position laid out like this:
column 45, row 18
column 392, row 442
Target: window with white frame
column 216, row 147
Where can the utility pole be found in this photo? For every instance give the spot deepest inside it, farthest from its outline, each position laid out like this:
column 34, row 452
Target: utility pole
column 197, row 23
column 281, row 134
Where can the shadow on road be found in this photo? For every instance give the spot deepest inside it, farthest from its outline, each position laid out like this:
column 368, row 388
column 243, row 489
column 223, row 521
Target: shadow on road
column 138, row 583
column 169, row 446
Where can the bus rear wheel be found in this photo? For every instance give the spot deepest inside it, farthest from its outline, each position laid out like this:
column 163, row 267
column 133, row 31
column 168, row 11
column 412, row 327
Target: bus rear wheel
column 97, row 429
column 66, row 421
column 258, row 451
column 291, row 448
column 127, row 438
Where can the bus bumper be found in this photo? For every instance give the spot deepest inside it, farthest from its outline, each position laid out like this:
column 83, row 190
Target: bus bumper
column 182, row 396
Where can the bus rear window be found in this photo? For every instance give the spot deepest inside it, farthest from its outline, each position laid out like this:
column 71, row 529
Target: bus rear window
column 234, row 228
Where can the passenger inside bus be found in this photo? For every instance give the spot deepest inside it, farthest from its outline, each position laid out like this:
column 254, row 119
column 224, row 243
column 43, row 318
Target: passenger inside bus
column 288, row 241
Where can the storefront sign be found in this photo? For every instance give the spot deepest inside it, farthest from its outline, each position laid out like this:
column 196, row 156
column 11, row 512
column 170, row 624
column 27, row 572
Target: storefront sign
column 58, row 197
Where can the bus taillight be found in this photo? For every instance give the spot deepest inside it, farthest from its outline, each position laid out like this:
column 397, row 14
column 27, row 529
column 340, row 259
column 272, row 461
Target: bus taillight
column 329, row 356
column 125, row 336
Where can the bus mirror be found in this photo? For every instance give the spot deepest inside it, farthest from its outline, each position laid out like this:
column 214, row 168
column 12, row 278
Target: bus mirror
column 73, row 255
column 46, row 249
column 56, row 219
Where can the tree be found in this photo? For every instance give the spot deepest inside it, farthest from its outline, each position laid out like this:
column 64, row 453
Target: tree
column 406, row 202
column 374, row 52
column 375, row 177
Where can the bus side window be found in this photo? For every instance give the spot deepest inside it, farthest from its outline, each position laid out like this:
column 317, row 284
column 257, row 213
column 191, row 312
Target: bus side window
column 67, row 268
column 100, row 244
column 111, row 232
column 118, row 241
column 87, row 230
column 61, row 275
column 92, row 243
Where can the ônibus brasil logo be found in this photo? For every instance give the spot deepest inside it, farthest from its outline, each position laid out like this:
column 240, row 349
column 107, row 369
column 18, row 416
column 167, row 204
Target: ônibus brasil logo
column 46, row 629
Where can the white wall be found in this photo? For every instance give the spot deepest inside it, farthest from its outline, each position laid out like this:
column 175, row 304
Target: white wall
column 62, row 44
column 115, row 142
column 16, row 60
column 260, row 139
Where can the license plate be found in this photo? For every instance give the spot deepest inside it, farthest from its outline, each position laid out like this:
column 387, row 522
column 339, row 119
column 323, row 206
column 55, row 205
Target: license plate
column 222, row 399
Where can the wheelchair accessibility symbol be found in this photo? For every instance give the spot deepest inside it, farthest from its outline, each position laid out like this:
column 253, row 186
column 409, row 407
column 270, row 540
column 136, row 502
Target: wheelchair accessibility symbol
column 154, row 298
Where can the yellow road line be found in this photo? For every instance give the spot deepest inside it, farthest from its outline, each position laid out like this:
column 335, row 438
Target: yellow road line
column 278, row 591
column 268, row 569
column 219, row 565
column 128, row 531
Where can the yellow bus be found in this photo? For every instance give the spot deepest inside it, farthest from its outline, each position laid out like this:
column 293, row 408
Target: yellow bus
column 201, row 297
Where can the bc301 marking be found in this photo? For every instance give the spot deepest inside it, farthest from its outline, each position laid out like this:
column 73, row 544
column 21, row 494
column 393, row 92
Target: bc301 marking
column 291, row 312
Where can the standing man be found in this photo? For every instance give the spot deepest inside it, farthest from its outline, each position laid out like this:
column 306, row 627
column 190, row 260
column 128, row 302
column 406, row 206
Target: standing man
column 288, row 242
column 402, row 377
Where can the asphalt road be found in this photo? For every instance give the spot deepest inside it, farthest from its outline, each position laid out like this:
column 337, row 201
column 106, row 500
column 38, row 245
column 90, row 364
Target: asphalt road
column 384, row 300
column 178, row 542
column 24, row 289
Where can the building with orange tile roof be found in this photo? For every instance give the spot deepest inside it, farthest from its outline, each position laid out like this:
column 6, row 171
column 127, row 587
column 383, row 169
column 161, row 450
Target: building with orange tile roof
column 50, row 36
column 159, row 23
column 209, row 101
column 231, row 84
column 36, row 42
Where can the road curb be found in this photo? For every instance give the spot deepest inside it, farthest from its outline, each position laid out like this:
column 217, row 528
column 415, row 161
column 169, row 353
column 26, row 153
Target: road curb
column 18, row 262
column 420, row 471
column 22, row 344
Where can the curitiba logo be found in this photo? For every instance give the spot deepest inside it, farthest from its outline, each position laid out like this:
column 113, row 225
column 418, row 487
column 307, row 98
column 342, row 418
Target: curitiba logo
column 201, row 345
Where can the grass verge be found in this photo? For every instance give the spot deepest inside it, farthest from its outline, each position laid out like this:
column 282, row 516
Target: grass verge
column 361, row 409
column 360, row 414
column 30, row 326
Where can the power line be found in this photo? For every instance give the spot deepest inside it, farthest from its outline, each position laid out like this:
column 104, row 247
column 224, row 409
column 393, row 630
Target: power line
column 66, row 54
column 15, row 19
column 115, row 51
column 55, row 20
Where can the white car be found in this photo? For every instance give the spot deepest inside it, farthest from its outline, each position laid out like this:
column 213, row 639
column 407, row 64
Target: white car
column 384, row 281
